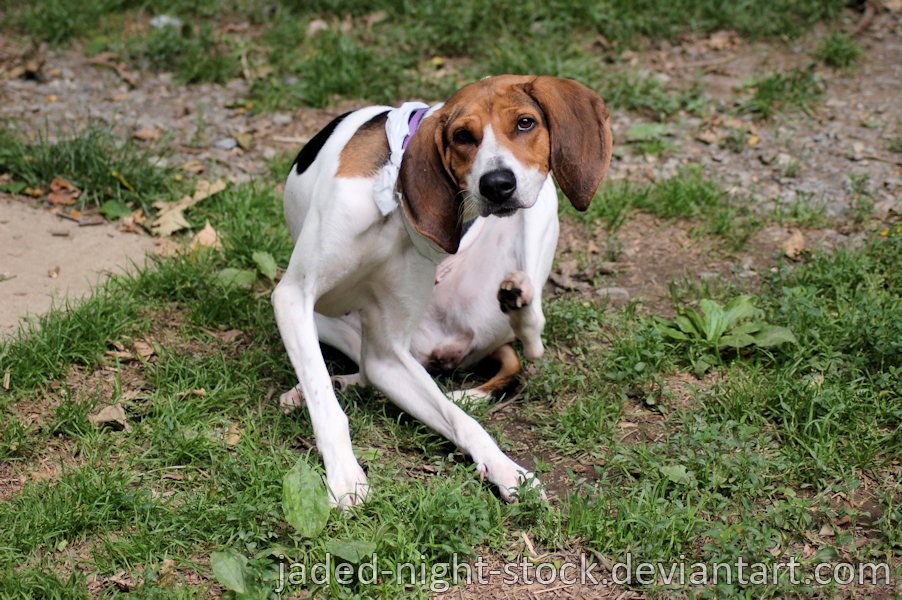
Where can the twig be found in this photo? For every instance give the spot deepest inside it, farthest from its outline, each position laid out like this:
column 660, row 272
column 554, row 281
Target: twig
column 506, row 403
column 865, row 22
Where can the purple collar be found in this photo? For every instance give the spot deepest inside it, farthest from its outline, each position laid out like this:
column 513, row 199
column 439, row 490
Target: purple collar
column 414, row 124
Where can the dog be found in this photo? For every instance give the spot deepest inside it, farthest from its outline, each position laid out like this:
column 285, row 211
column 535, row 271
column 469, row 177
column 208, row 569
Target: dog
column 379, row 198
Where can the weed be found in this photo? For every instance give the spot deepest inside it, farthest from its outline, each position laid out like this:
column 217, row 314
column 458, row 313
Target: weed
column 838, row 49
column 797, row 89
column 862, row 200
column 896, row 144
column 89, row 159
column 736, row 140
column 717, row 328
column 803, row 211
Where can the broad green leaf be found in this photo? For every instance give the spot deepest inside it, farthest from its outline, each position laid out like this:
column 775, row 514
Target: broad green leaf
column 305, row 499
column 14, row 188
column 229, row 568
column 714, row 319
column 736, row 340
column 115, row 209
column 701, row 366
column 354, row 552
column 751, row 327
column 687, row 325
column 266, row 263
column 774, row 335
column 670, row 332
column 676, row 473
column 642, row 131
column 737, row 309
column 368, row 455
column 698, row 322
column 232, row 277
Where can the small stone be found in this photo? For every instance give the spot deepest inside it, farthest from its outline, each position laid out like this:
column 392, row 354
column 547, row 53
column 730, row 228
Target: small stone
column 616, row 296
column 226, row 143
column 706, row 276
column 281, row 119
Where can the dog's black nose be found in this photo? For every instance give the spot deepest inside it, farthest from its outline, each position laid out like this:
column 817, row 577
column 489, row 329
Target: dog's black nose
column 498, row 186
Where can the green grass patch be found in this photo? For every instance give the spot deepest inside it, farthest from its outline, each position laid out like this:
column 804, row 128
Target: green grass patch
column 839, row 49
column 102, row 165
column 797, row 89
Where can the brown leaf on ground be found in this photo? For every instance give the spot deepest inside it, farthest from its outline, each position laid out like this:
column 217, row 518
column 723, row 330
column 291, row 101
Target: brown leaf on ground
column 62, row 192
column 144, row 349
column 113, row 415
column 794, row 245
column 147, row 134
column 194, row 166
column 206, row 238
column 171, row 217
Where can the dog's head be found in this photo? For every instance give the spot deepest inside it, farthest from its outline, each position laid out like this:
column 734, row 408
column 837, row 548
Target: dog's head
column 489, row 149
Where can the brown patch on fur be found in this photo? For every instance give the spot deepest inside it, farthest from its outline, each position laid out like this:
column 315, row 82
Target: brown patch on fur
column 571, row 137
column 510, row 367
column 367, row 151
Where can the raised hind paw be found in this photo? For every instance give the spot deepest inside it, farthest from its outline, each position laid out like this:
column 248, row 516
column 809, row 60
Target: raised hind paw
column 343, row 382
column 515, row 291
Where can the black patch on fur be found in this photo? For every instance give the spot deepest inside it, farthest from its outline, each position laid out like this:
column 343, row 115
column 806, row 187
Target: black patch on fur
column 308, row 153
column 376, row 122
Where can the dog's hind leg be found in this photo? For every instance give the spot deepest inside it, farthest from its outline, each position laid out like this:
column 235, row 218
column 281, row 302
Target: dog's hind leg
column 295, row 317
column 509, row 368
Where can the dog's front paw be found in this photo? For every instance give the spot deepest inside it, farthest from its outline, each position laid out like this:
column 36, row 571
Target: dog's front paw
column 510, row 479
column 291, row 400
column 515, row 291
column 347, row 487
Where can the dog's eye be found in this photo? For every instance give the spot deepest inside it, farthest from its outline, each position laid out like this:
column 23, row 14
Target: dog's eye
column 526, row 123
column 464, row 137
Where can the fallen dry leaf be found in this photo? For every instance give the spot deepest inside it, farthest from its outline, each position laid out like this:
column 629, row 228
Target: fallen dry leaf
column 62, row 192
column 166, row 247
column 171, row 217
column 146, row 134
column 794, row 245
column 113, row 415
column 194, row 166
column 143, row 349
column 206, row 238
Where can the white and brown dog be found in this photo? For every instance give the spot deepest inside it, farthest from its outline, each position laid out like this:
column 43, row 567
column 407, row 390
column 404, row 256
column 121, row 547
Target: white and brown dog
column 370, row 227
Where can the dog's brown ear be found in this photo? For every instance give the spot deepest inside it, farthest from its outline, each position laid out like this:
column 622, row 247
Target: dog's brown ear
column 580, row 135
column 430, row 195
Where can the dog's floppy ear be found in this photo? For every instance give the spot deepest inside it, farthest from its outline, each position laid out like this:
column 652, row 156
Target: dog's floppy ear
column 431, row 197
column 577, row 120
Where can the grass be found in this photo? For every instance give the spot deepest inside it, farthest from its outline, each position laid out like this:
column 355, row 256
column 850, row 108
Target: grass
column 712, row 489
column 687, row 196
column 797, row 89
column 93, row 159
column 839, row 49
column 386, row 51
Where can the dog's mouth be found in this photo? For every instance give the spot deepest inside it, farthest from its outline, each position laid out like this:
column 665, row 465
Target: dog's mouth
column 505, row 212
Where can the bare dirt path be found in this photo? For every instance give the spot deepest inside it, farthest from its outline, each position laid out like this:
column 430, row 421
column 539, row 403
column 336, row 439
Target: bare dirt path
column 44, row 259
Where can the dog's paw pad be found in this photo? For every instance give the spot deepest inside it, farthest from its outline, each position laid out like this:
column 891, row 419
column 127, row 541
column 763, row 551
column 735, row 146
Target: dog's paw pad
column 515, row 291
column 343, row 382
column 291, row 400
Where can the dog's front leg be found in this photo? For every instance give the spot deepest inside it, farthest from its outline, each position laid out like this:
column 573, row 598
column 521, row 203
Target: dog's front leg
column 294, row 315
column 392, row 369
